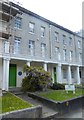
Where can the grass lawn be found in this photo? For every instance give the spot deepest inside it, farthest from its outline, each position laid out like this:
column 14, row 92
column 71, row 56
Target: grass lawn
column 61, row 95
column 10, row 103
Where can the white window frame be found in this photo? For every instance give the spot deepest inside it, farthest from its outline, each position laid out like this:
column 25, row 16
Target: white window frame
column 31, row 27
column 18, row 22
column 64, row 54
column 80, row 57
column 71, row 55
column 32, row 47
column 17, row 41
column 43, row 49
column 57, row 52
column 42, row 31
column 56, row 36
column 70, row 41
column 64, row 39
column 79, row 44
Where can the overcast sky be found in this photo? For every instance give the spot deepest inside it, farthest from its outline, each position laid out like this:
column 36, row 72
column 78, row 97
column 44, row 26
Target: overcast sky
column 67, row 13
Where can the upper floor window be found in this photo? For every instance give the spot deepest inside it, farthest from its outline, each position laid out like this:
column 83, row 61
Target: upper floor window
column 56, row 36
column 71, row 55
column 31, row 47
column 18, row 22
column 43, row 49
column 80, row 56
column 31, row 27
column 17, row 41
column 79, row 44
column 57, row 52
column 64, row 54
column 64, row 39
column 70, row 41
column 42, row 31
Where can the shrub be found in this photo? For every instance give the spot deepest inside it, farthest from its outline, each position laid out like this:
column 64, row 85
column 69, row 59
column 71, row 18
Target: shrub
column 36, row 79
column 58, row 86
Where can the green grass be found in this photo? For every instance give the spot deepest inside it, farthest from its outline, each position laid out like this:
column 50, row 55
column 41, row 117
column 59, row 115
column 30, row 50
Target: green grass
column 10, row 103
column 61, row 95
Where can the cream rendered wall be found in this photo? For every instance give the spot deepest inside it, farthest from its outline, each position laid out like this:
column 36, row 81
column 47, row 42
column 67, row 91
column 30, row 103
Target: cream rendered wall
column 19, row 78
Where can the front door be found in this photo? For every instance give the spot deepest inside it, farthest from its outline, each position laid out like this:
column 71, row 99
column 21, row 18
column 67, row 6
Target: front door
column 54, row 74
column 12, row 75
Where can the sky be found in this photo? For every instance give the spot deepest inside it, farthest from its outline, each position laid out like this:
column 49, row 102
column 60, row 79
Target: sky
column 67, row 13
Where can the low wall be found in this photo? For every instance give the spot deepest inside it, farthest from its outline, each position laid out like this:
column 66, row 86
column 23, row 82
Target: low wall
column 33, row 112
column 61, row 107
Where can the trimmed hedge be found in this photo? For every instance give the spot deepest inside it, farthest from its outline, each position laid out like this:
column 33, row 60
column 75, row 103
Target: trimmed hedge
column 58, row 86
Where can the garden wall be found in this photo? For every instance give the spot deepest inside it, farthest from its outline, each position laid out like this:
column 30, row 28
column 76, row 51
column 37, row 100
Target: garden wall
column 33, row 112
column 61, row 107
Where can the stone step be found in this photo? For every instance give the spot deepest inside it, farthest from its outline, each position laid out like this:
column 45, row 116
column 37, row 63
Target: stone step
column 49, row 115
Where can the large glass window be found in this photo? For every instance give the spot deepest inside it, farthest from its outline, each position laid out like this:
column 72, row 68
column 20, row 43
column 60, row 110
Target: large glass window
column 80, row 57
column 18, row 22
column 56, row 36
column 79, row 44
column 42, row 31
column 57, row 52
column 17, row 42
column 70, row 41
column 71, row 55
column 31, row 27
column 64, row 39
column 43, row 49
column 32, row 47
column 64, row 54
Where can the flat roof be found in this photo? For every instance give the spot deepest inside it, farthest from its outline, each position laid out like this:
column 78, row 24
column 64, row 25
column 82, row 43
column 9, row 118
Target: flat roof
column 44, row 19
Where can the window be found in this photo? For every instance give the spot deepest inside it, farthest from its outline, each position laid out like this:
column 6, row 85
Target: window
column 42, row 31
column 56, row 36
column 79, row 44
column 17, row 41
column 32, row 47
column 70, row 41
column 57, row 52
column 64, row 73
column 71, row 55
column 31, row 27
column 64, row 54
column 18, row 22
column 80, row 56
column 64, row 39
column 72, row 73
column 43, row 49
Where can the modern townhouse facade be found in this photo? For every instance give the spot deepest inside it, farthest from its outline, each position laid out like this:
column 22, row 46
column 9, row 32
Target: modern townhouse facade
column 27, row 38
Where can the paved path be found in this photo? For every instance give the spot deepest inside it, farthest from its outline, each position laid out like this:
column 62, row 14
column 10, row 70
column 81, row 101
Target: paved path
column 47, row 111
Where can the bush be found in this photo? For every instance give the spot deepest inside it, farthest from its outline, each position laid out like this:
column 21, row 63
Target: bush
column 58, row 86
column 36, row 79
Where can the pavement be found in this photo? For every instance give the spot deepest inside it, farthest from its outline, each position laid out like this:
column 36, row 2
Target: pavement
column 46, row 111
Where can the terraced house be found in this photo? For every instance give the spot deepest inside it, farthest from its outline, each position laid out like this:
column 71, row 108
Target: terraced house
column 27, row 38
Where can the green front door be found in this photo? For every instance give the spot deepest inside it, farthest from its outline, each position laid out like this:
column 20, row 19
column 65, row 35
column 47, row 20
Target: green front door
column 12, row 75
column 54, row 74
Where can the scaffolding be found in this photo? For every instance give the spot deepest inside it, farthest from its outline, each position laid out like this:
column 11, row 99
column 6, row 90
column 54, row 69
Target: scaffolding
column 8, row 12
